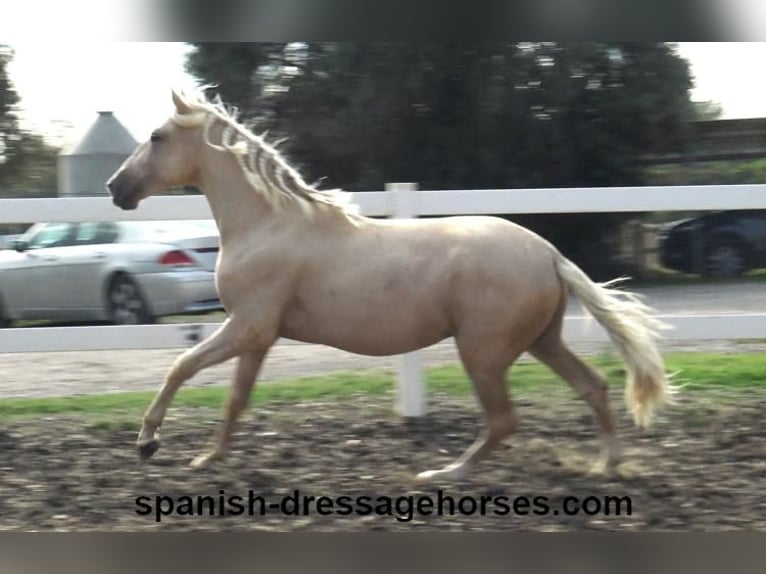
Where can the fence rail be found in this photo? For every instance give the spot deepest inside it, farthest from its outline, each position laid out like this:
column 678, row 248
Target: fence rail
column 399, row 200
column 422, row 202
column 176, row 336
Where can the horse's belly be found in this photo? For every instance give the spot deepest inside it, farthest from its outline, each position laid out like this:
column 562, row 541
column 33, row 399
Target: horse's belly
column 366, row 329
column 373, row 344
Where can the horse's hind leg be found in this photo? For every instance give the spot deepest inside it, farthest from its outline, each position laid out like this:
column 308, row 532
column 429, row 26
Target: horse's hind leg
column 487, row 370
column 248, row 365
column 552, row 351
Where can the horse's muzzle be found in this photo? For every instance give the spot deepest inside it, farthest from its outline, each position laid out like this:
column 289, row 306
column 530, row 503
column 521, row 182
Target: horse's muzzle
column 121, row 197
column 128, row 204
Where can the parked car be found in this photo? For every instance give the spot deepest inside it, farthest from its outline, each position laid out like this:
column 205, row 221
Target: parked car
column 126, row 273
column 6, row 241
column 723, row 244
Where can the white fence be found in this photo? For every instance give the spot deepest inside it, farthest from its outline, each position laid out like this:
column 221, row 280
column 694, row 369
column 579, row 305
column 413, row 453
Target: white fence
column 399, row 200
column 420, row 202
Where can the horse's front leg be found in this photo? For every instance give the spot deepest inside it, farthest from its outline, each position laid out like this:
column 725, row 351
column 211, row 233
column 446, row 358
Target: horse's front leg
column 230, row 340
column 247, row 372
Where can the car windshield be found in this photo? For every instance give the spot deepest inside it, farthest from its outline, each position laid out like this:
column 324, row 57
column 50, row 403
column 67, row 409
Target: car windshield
column 42, row 235
column 154, row 230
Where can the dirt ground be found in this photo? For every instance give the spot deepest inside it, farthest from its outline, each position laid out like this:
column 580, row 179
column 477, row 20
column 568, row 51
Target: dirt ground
column 701, row 467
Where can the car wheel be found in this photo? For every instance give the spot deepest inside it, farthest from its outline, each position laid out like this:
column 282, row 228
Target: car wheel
column 126, row 304
column 725, row 259
column 4, row 321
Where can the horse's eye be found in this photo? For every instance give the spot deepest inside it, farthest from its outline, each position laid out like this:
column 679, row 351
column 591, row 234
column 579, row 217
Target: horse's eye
column 155, row 137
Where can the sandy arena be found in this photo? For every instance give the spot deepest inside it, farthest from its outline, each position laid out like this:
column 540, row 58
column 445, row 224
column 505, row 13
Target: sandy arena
column 700, row 468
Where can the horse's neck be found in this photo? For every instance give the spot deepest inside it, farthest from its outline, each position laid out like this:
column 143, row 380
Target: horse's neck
column 240, row 211
column 236, row 206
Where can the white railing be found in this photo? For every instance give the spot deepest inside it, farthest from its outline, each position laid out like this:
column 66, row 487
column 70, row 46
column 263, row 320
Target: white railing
column 420, row 202
column 399, row 200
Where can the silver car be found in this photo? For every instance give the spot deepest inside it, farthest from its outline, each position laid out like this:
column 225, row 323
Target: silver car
column 126, row 272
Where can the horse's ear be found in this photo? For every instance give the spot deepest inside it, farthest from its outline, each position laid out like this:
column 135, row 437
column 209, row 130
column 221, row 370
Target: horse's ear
column 181, row 106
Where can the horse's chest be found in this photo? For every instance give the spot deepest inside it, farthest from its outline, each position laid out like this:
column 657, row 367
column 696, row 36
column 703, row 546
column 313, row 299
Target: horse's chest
column 239, row 279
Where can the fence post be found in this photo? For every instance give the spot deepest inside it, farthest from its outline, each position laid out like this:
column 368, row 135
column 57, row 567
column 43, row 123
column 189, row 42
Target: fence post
column 410, row 392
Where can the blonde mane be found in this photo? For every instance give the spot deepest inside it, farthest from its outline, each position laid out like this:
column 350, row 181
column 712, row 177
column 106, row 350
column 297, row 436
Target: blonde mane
column 264, row 167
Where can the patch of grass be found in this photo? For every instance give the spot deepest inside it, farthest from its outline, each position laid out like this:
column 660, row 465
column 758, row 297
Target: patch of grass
column 337, row 385
column 730, row 371
column 698, row 371
column 451, row 379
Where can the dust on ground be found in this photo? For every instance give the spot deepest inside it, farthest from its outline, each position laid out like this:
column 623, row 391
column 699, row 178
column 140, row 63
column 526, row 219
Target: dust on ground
column 701, row 467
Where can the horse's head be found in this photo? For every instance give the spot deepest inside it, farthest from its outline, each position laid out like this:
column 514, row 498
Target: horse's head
column 167, row 160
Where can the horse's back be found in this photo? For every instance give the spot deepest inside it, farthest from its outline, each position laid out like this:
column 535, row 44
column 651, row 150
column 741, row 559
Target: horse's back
column 482, row 247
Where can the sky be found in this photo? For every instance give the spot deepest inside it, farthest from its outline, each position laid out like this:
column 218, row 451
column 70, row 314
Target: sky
column 730, row 73
column 133, row 79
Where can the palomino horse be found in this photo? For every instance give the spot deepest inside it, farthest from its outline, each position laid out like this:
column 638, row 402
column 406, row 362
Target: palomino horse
column 299, row 263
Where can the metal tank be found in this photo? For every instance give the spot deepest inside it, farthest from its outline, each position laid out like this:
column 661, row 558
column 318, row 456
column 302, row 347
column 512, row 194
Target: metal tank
column 84, row 168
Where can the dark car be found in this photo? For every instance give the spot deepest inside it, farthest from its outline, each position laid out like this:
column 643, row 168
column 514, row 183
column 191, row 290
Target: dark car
column 721, row 244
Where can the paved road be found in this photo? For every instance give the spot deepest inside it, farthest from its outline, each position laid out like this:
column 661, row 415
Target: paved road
column 41, row 374
column 708, row 299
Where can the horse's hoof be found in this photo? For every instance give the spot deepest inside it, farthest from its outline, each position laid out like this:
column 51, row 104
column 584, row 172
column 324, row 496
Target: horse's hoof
column 148, row 448
column 426, row 475
column 448, row 473
column 605, row 468
column 204, row 460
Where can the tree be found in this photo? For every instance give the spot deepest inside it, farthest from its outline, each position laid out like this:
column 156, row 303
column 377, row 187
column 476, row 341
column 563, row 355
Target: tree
column 707, row 110
column 27, row 161
column 492, row 115
column 8, row 122
column 242, row 73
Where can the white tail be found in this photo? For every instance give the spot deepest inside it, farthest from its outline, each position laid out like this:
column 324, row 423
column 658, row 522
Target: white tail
column 633, row 330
